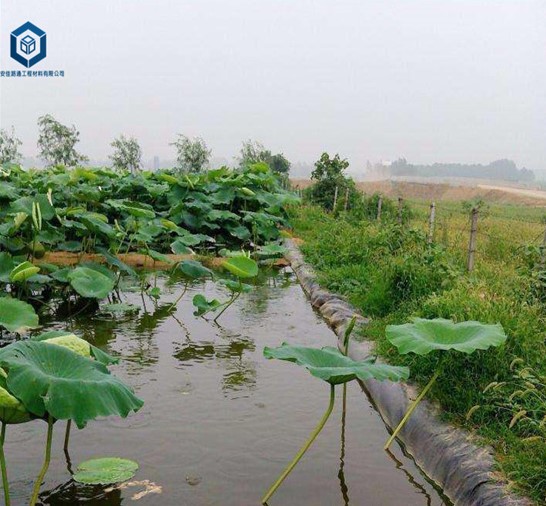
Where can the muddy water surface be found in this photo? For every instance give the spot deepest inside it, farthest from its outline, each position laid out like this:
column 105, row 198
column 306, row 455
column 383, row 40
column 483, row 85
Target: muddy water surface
column 220, row 422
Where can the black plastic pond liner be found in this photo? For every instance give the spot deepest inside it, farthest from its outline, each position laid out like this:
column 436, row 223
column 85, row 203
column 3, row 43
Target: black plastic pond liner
column 444, row 453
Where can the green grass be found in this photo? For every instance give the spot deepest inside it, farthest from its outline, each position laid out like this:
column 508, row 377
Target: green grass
column 391, row 274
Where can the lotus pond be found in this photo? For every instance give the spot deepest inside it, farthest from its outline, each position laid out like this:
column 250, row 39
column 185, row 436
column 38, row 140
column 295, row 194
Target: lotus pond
column 220, row 421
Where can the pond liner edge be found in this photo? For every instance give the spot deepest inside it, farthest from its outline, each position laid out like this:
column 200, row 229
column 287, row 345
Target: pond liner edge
column 446, row 454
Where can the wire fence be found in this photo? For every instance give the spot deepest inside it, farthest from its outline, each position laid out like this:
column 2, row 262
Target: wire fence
column 473, row 231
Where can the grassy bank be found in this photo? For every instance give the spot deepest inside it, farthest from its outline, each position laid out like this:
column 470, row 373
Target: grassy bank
column 391, row 274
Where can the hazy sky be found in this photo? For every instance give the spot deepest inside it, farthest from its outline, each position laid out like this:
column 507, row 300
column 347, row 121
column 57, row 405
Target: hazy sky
column 460, row 81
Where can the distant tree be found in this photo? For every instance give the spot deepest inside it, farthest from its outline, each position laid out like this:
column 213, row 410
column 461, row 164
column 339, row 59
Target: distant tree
column 9, row 147
column 279, row 164
column 255, row 152
column 192, row 155
column 56, row 142
column 127, row 154
column 329, row 174
column 329, row 168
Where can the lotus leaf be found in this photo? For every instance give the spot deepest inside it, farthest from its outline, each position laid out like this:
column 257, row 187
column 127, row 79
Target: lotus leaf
column 203, row 305
column 23, row 271
column 16, row 315
column 241, row 266
column 75, row 343
column 193, row 269
column 52, row 379
column 104, row 471
column 423, row 336
column 11, row 409
column 90, row 282
column 330, row 365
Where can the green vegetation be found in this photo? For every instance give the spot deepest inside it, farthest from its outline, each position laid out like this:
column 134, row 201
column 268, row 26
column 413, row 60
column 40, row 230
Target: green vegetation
column 424, row 336
column 334, row 367
column 392, row 274
column 101, row 217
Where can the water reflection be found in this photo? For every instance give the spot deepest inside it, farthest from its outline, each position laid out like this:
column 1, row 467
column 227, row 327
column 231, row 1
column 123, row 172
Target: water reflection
column 71, row 493
column 341, row 473
column 240, row 371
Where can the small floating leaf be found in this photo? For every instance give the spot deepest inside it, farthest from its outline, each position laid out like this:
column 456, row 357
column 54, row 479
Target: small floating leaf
column 106, row 470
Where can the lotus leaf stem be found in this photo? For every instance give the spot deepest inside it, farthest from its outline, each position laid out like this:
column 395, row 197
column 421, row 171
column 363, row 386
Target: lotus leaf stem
column 45, row 466
column 412, row 407
column 5, row 482
column 304, row 448
column 67, row 435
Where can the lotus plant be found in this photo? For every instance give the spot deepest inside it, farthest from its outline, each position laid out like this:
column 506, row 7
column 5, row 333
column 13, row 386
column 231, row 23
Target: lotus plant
column 242, row 267
column 334, row 367
column 424, row 336
column 54, row 381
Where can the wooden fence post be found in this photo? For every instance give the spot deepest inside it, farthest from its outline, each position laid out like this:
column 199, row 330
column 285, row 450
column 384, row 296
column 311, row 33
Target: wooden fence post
column 346, row 199
column 543, row 252
column 379, row 204
column 431, row 220
column 400, row 208
column 472, row 242
column 335, row 199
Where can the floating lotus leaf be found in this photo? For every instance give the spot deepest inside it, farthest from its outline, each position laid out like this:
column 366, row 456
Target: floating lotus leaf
column 330, row 365
column 423, row 336
column 104, row 471
column 241, row 266
column 76, row 344
column 52, row 379
column 16, row 315
column 90, row 282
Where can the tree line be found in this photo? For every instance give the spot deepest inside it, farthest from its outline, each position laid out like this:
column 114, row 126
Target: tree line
column 57, row 146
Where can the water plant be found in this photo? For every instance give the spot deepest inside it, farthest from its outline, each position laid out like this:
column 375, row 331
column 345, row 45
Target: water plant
column 105, row 470
column 52, row 382
column 242, row 267
column 330, row 365
column 423, row 336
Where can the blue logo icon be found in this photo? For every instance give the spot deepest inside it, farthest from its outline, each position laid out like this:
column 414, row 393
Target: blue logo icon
column 28, row 44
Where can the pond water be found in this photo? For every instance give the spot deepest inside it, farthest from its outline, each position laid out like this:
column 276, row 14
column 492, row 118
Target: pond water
column 220, row 422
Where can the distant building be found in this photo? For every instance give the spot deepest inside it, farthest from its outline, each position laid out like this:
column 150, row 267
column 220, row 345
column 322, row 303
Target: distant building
column 156, row 163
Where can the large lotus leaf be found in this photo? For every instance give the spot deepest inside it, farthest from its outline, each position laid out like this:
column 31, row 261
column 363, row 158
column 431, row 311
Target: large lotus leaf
column 16, row 315
column 241, row 266
column 330, row 365
column 423, row 336
column 91, row 283
column 104, row 471
column 11, row 409
column 76, row 344
column 52, row 379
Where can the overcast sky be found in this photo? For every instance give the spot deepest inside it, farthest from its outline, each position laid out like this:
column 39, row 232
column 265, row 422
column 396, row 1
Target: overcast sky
column 459, row 81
